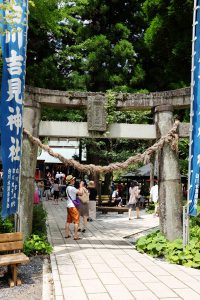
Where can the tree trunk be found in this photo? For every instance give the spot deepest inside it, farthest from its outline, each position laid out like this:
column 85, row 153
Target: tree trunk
column 28, row 166
column 169, row 179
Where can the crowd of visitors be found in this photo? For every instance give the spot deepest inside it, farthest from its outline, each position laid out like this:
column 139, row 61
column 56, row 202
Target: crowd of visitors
column 81, row 198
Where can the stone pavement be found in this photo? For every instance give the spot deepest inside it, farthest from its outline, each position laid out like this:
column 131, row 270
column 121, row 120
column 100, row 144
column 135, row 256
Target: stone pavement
column 104, row 266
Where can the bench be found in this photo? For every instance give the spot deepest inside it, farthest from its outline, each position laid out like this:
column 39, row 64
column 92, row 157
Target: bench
column 106, row 209
column 11, row 245
column 105, row 199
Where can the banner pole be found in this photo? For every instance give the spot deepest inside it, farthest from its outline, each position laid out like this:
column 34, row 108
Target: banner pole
column 187, row 217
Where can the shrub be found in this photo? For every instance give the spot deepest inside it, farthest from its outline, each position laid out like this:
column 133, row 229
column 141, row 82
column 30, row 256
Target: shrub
column 39, row 220
column 7, row 225
column 37, row 245
column 154, row 244
column 189, row 256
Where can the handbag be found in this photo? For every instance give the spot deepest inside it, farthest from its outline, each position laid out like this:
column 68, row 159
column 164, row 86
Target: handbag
column 85, row 197
column 76, row 202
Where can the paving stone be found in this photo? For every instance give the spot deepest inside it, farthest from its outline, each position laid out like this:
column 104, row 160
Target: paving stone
column 65, row 269
column 104, row 266
column 93, row 286
column 187, row 294
column 96, row 259
column 160, row 290
column 122, row 272
column 133, row 284
column 119, row 292
column 101, row 268
column 102, row 296
column 70, row 280
column 145, row 277
column 144, row 295
column 109, row 278
column 86, row 273
column 74, row 293
column 57, row 288
column 157, row 271
column 172, row 282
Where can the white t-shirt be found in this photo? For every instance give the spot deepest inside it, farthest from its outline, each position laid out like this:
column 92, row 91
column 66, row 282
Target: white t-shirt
column 115, row 194
column 154, row 193
column 71, row 192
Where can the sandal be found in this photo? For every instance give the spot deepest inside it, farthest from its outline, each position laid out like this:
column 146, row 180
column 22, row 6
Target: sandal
column 67, row 237
column 77, row 238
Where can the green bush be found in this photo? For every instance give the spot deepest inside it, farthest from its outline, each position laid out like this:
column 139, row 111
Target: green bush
column 7, row 225
column 39, row 220
column 156, row 245
column 37, row 245
column 150, row 208
column 189, row 256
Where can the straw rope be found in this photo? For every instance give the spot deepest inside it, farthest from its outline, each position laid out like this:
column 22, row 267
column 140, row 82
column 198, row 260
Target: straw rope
column 170, row 138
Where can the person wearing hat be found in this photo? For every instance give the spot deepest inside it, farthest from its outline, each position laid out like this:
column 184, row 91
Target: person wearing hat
column 133, row 199
column 72, row 211
column 92, row 197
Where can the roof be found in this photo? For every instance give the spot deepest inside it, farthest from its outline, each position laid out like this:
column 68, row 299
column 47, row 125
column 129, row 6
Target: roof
column 66, row 152
column 144, row 171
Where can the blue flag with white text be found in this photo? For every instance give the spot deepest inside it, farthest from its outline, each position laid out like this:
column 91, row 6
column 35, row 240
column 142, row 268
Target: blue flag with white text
column 195, row 115
column 13, row 43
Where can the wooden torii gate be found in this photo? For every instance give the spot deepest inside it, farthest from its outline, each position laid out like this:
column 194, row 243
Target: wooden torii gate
column 162, row 105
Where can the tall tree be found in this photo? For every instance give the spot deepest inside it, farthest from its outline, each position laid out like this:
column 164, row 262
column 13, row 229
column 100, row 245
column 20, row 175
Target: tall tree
column 168, row 43
column 100, row 53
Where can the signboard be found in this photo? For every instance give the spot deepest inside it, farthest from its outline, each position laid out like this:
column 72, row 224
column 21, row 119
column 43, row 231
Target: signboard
column 194, row 161
column 14, row 41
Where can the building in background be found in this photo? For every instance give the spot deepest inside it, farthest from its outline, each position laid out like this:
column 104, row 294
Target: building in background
column 69, row 148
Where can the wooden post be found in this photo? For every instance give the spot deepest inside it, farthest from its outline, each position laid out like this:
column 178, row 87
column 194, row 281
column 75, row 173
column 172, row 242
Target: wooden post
column 169, row 179
column 28, row 165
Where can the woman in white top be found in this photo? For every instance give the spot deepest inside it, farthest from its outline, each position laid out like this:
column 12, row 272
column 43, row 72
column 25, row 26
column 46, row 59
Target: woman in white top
column 72, row 211
column 133, row 199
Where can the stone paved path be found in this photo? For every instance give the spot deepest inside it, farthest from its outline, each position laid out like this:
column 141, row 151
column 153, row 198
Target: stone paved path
column 104, row 266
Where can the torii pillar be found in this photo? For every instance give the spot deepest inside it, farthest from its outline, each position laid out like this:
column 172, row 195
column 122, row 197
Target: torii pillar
column 31, row 119
column 169, row 179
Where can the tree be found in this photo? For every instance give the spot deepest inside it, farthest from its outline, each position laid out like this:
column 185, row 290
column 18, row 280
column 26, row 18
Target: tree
column 168, row 43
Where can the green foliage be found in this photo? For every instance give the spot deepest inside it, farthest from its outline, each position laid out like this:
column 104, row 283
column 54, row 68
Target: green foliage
column 156, row 245
column 39, row 220
column 110, row 108
column 37, row 245
column 151, row 207
column 7, row 225
column 74, row 115
column 189, row 256
column 183, row 147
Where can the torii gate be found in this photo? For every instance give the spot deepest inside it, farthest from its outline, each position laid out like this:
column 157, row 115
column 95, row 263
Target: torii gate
column 162, row 105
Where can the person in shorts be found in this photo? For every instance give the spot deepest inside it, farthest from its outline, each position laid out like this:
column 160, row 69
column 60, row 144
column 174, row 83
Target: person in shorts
column 72, row 211
column 133, row 199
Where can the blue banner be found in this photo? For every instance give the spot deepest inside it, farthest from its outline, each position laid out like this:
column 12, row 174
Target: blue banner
column 14, row 41
column 194, row 163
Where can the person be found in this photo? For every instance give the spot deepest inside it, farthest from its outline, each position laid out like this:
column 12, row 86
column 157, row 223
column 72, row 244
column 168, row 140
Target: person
column 92, row 200
column 133, row 199
column 72, row 211
column 56, row 188
column 36, row 198
column 120, row 189
column 116, row 199
column 41, row 189
column 154, row 198
column 47, row 190
column 84, row 205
